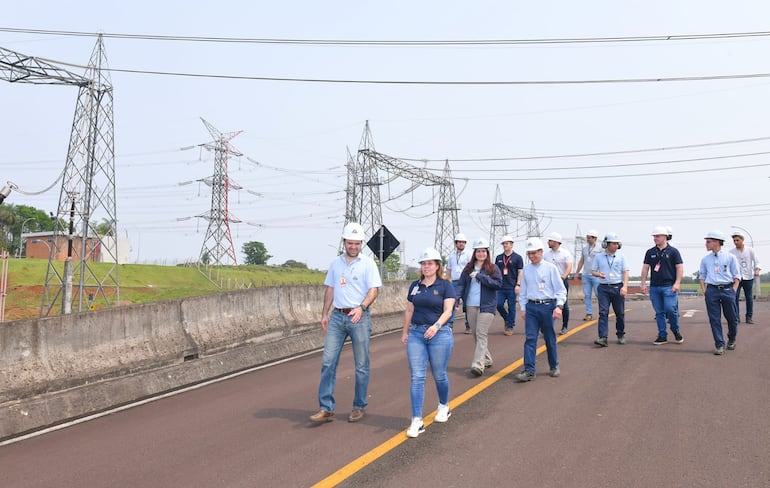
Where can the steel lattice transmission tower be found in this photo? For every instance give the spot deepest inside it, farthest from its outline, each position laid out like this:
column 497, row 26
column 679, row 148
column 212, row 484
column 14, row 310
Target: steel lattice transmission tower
column 218, row 244
column 501, row 212
column 365, row 192
column 85, row 228
column 447, row 225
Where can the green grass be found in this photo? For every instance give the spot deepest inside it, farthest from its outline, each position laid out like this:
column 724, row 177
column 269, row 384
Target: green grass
column 145, row 283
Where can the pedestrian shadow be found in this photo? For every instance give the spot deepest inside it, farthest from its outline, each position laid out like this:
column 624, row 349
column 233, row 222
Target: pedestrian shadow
column 300, row 419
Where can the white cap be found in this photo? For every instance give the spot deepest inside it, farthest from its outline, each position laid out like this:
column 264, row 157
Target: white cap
column 611, row 237
column 481, row 243
column 506, row 238
column 554, row 236
column 534, row 244
column 715, row 234
column 461, row 237
column 429, row 254
column 737, row 233
column 353, row 232
column 659, row 230
column 593, row 233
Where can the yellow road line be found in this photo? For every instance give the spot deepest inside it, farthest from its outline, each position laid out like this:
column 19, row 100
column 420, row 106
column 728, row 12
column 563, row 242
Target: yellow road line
column 364, row 460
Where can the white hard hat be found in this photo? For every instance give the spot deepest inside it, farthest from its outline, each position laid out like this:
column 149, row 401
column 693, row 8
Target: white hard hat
column 554, row 236
column 737, row 233
column 534, row 244
column 353, row 232
column 593, row 233
column 461, row 237
column 659, row 230
column 481, row 243
column 611, row 237
column 670, row 231
column 715, row 234
column 429, row 254
column 506, row 238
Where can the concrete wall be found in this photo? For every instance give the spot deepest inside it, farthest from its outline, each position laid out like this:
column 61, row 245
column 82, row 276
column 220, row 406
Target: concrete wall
column 58, row 368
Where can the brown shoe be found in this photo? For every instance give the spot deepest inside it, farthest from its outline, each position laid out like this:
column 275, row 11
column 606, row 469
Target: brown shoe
column 508, row 332
column 588, row 317
column 356, row 415
column 322, row 416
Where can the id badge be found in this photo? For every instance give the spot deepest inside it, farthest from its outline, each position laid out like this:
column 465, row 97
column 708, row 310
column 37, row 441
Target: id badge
column 343, row 281
column 415, row 290
column 657, row 267
column 716, row 269
column 505, row 271
column 541, row 286
column 612, row 275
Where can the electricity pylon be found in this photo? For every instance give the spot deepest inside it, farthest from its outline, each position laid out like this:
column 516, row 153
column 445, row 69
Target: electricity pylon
column 218, row 244
column 501, row 212
column 86, row 214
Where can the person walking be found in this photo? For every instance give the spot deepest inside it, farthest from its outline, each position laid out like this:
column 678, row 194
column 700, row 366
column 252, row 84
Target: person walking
column 664, row 264
column 541, row 299
column 719, row 278
column 590, row 282
column 749, row 266
column 478, row 287
column 455, row 265
column 611, row 268
column 562, row 258
column 352, row 284
column 510, row 264
column 428, row 337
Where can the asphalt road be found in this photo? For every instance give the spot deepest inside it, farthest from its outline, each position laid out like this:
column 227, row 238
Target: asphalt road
column 634, row 415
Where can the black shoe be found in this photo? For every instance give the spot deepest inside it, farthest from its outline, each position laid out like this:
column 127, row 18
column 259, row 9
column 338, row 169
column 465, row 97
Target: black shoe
column 602, row 341
column 660, row 340
column 477, row 372
column 525, row 376
column 730, row 345
column 678, row 338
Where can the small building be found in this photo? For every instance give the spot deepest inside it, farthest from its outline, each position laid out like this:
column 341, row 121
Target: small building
column 40, row 245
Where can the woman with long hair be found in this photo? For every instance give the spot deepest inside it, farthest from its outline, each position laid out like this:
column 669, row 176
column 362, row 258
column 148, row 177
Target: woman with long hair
column 428, row 336
column 478, row 287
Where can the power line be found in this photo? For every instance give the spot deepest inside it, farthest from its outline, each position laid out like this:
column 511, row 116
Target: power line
column 393, row 43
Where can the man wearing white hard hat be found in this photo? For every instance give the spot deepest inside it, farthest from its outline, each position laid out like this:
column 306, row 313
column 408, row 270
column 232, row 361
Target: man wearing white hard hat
column 541, row 299
column 665, row 265
column 611, row 268
column 510, row 264
column 719, row 278
column 455, row 264
column 352, row 284
column 478, row 287
column 562, row 258
column 590, row 283
column 749, row 270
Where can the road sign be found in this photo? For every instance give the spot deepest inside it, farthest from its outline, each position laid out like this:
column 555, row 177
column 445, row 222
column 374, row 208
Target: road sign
column 383, row 243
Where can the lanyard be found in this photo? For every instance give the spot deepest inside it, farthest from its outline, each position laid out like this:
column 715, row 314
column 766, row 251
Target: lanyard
column 506, row 261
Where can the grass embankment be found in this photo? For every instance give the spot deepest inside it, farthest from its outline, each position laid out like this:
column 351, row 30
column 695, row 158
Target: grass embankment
column 145, row 283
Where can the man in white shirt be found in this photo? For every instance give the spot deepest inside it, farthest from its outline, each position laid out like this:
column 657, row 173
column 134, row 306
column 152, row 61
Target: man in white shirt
column 562, row 258
column 455, row 264
column 749, row 268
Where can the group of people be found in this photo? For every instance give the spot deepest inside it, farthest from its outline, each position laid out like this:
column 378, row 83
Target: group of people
column 540, row 288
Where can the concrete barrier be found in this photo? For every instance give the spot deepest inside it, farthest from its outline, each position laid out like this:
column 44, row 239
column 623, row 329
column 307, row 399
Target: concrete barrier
column 58, row 368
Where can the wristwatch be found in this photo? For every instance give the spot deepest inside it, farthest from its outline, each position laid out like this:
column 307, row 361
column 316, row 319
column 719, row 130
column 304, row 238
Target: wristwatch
column 561, row 307
column 364, row 307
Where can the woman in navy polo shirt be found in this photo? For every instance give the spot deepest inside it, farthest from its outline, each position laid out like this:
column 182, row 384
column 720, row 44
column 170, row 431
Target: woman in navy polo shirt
column 428, row 336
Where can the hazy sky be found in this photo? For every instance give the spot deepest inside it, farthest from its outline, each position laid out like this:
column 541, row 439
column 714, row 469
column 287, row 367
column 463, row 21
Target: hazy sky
column 300, row 132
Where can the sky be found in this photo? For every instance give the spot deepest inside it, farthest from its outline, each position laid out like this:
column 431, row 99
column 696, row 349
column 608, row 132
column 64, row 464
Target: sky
column 690, row 154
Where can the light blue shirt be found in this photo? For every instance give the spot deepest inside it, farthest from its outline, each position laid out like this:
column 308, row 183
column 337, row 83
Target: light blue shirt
column 351, row 282
column 719, row 269
column 612, row 266
column 474, row 293
column 541, row 282
column 456, row 262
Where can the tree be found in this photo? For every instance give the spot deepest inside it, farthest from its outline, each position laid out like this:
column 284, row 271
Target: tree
column 393, row 263
column 294, row 264
column 256, row 253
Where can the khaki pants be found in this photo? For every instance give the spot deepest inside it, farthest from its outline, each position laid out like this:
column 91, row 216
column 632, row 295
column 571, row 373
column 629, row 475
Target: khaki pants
column 480, row 324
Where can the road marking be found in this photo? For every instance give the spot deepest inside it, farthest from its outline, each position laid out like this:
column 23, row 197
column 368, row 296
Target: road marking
column 689, row 313
column 364, row 460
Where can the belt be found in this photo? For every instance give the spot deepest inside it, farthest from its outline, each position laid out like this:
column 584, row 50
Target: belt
column 610, row 284
column 344, row 310
column 546, row 300
column 721, row 287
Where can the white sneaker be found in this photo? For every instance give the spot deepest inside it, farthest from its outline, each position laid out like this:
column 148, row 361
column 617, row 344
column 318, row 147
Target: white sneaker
column 416, row 428
column 443, row 413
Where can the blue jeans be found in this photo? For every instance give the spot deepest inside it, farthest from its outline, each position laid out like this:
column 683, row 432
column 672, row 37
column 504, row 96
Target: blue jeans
column 339, row 329
column 509, row 315
column 719, row 301
column 467, row 324
column 746, row 286
column 610, row 294
column 421, row 351
column 539, row 318
column 665, row 302
column 590, row 284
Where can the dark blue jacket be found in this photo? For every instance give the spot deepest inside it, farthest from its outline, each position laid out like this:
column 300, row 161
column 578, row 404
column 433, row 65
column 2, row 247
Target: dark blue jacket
column 489, row 287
